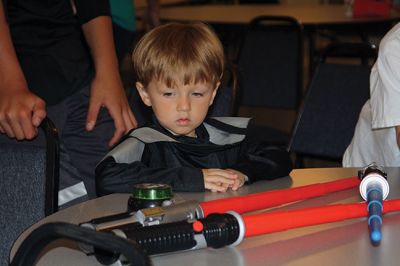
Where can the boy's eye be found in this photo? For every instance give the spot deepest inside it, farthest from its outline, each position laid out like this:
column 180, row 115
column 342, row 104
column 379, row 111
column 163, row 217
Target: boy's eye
column 167, row 94
column 197, row 94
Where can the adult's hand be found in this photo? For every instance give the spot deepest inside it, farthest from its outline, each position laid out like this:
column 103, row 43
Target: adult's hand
column 106, row 88
column 108, row 93
column 21, row 113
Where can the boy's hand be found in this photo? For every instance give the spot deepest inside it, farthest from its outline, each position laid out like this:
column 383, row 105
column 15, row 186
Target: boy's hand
column 218, row 180
column 239, row 181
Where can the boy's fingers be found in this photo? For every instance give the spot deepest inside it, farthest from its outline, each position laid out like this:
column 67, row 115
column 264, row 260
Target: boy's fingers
column 236, row 186
column 220, row 179
column 222, row 172
column 214, row 187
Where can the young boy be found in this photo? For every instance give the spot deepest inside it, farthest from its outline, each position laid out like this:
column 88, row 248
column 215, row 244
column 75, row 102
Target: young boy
column 179, row 67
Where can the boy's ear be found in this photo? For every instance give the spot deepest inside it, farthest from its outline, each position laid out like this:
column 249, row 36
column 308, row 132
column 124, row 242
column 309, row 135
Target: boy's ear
column 143, row 94
column 214, row 93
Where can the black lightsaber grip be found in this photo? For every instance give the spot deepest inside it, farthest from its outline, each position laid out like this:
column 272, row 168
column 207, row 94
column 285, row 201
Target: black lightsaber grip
column 162, row 238
column 218, row 230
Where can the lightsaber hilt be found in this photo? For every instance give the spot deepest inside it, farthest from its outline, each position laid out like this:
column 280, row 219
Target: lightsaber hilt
column 374, row 188
column 181, row 211
column 216, row 231
column 186, row 210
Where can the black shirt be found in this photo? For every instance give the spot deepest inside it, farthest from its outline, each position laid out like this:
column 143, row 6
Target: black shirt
column 150, row 157
column 49, row 44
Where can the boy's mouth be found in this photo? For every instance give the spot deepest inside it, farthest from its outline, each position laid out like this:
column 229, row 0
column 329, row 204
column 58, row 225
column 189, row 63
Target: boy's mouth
column 183, row 121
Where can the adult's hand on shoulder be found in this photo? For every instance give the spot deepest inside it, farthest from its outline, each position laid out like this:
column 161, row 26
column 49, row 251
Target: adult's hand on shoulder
column 21, row 113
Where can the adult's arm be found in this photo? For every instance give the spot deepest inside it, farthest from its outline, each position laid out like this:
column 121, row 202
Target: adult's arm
column 385, row 84
column 21, row 111
column 106, row 88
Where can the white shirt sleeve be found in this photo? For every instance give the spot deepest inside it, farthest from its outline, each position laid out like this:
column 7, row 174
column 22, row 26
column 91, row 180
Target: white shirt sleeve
column 385, row 82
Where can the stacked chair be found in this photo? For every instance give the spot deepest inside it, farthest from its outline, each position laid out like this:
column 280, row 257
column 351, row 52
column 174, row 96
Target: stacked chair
column 334, row 99
column 270, row 71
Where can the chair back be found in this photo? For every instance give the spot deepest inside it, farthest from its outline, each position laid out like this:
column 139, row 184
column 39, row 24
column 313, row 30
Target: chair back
column 29, row 186
column 359, row 52
column 327, row 119
column 270, row 63
column 225, row 100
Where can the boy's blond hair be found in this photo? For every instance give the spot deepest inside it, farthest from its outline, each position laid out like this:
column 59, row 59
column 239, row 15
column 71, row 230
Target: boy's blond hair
column 188, row 53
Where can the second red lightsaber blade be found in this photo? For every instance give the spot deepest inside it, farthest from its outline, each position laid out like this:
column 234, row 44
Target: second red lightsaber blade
column 268, row 199
column 264, row 223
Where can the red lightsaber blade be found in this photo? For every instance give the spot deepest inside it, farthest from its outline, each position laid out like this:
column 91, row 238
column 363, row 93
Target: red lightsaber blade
column 263, row 200
column 264, row 223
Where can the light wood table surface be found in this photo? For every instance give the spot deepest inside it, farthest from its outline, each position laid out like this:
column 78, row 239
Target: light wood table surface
column 306, row 14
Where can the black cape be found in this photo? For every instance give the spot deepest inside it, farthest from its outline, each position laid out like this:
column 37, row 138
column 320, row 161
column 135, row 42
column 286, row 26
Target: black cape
column 153, row 155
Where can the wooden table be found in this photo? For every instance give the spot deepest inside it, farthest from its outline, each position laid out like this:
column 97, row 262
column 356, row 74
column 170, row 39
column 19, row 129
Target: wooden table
column 313, row 17
column 341, row 243
column 306, row 14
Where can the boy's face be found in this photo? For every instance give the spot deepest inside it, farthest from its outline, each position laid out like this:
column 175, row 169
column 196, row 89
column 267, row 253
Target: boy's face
column 180, row 109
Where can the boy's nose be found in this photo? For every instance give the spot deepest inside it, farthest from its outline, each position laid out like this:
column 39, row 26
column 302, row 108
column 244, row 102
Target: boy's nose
column 183, row 104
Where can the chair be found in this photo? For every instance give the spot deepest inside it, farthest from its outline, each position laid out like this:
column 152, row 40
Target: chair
column 29, row 186
column 336, row 94
column 224, row 102
column 270, row 70
column 368, row 32
column 360, row 52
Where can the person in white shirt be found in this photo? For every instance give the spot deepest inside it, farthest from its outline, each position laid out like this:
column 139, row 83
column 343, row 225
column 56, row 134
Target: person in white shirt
column 377, row 133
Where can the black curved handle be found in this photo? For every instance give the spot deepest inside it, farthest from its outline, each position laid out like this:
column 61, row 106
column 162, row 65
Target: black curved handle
column 52, row 165
column 43, row 235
